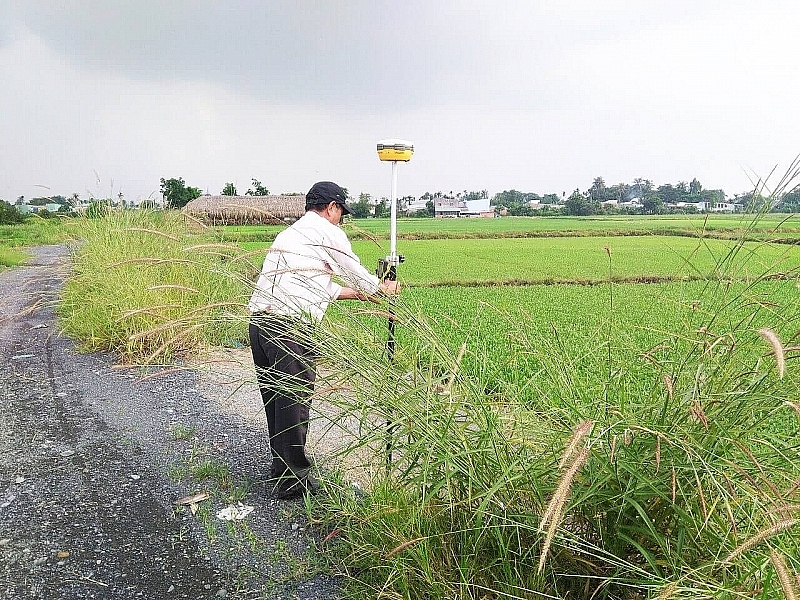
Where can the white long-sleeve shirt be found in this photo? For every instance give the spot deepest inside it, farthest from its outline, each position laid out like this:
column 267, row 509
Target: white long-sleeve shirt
column 297, row 277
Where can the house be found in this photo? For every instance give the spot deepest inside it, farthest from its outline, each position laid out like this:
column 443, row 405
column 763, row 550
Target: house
column 246, row 210
column 723, row 207
column 455, row 208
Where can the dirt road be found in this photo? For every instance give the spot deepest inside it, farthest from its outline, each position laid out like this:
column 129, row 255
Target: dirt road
column 94, row 458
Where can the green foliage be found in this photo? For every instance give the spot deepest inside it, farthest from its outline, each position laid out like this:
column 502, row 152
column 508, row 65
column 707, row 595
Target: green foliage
column 147, row 289
column 361, row 209
column 579, row 205
column 651, row 444
column 229, row 190
column 605, row 441
column 9, row 215
column 98, row 209
column 382, row 208
column 257, row 189
column 516, row 203
column 176, row 194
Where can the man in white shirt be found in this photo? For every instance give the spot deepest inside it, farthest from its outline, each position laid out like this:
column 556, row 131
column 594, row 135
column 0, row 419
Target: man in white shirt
column 291, row 295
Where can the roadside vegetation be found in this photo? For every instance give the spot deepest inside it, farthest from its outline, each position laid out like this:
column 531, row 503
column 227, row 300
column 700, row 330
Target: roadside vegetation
column 18, row 233
column 619, row 440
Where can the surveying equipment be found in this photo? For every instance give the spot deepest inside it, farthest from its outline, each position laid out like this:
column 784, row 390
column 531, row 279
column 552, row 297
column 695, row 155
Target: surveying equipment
column 393, row 151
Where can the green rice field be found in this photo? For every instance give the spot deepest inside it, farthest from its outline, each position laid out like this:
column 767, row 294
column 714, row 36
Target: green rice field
column 768, row 226
column 574, row 259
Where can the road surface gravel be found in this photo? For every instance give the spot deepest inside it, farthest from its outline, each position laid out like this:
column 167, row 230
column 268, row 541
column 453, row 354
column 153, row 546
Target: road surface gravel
column 94, row 457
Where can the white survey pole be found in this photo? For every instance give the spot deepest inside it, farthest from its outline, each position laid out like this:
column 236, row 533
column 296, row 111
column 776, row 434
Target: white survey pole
column 393, row 218
column 392, row 151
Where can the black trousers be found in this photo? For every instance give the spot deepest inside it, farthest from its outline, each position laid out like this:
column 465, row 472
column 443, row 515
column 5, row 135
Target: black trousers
column 285, row 361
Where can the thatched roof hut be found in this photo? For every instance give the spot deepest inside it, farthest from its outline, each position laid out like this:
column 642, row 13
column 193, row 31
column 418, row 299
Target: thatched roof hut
column 247, row 210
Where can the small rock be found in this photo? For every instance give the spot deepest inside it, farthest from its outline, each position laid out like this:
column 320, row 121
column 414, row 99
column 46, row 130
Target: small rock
column 19, row 479
column 223, row 593
column 40, row 561
column 295, row 526
column 171, row 589
column 135, row 477
column 5, row 541
column 67, row 453
column 207, row 586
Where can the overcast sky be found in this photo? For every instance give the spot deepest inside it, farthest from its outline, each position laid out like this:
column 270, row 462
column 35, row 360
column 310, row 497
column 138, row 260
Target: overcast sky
column 98, row 97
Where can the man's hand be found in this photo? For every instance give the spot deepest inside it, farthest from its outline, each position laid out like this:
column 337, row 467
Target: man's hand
column 387, row 288
column 390, row 288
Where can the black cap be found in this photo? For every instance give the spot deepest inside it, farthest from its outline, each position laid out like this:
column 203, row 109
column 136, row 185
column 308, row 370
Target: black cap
column 325, row 192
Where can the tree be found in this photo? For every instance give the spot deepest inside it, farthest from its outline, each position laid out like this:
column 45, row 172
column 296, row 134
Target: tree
column 361, row 209
column 695, row 188
column 257, row 189
column 176, row 194
column 229, row 190
column 9, row 215
column 578, row 204
column 598, row 191
column 652, row 204
column 382, row 208
column 789, row 203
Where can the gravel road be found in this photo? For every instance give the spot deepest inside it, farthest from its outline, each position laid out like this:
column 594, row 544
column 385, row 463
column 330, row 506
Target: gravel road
column 95, row 456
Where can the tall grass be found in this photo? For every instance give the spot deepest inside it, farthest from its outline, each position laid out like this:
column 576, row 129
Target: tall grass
column 675, row 477
column 606, row 480
column 146, row 286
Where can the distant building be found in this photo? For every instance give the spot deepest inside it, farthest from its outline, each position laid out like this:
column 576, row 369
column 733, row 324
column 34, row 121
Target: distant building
column 723, row 207
column 455, row 208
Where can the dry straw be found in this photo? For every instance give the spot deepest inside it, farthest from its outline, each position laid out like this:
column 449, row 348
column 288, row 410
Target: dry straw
column 580, row 433
column 668, row 591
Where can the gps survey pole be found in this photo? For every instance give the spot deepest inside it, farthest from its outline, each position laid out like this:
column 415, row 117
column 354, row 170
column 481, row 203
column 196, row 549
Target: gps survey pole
column 393, row 151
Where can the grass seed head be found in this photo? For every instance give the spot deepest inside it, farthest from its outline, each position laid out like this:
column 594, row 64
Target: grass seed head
column 777, row 349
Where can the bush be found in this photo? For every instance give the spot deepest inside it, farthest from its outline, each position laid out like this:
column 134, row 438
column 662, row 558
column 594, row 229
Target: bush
column 9, row 215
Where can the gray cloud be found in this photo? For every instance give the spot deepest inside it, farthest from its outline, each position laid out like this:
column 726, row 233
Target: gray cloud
column 494, row 94
column 386, row 55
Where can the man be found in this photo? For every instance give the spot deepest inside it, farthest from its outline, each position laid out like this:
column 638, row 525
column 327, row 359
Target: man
column 291, row 295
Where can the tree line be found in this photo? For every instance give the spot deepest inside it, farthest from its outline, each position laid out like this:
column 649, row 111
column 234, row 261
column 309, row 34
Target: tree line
column 640, row 196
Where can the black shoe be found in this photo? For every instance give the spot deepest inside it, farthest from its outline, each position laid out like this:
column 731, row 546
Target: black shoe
column 295, row 488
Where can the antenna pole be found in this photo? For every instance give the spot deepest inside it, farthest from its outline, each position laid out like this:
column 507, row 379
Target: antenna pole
column 393, row 218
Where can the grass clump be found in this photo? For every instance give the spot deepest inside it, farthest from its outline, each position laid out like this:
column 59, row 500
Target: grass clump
column 147, row 287
column 617, row 470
